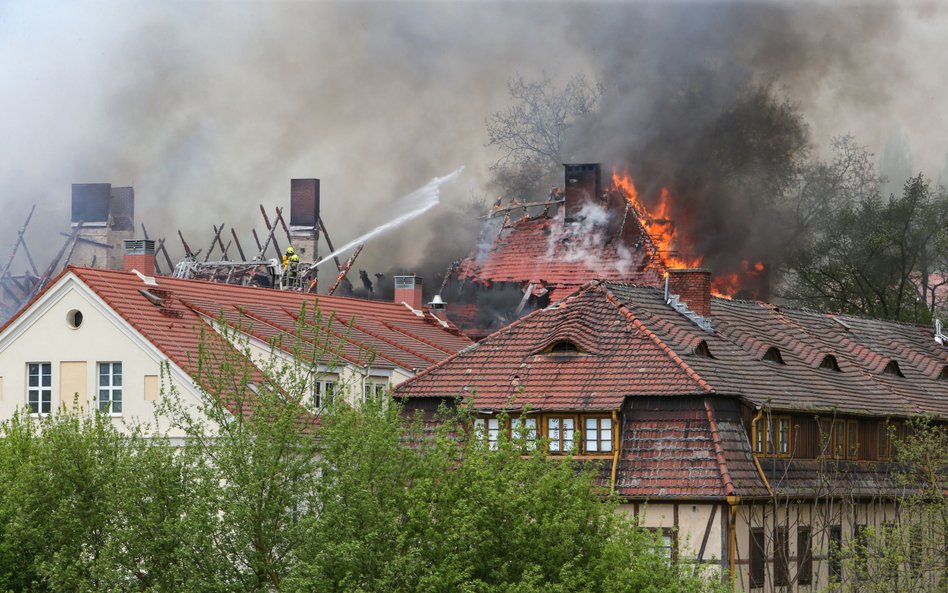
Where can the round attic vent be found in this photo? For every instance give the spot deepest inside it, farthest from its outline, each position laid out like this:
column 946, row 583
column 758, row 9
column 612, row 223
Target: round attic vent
column 74, row 318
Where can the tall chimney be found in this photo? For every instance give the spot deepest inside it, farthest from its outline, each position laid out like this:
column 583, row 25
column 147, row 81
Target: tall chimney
column 408, row 290
column 304, row 218
column 693, row 287
column 583, row 186
column 140, row 255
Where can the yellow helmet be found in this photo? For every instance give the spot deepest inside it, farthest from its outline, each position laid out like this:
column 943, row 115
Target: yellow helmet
column 289, row 251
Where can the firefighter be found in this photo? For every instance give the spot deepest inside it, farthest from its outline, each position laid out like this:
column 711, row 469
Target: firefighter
column 291, row 264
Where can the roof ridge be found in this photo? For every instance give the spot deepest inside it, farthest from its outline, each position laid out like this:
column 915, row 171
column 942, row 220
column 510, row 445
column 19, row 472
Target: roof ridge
column 692, row 374
column 507, row 328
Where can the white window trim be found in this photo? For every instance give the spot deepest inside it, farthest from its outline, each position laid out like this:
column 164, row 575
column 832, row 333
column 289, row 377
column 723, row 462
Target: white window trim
column 111, row 388
column 39, row 388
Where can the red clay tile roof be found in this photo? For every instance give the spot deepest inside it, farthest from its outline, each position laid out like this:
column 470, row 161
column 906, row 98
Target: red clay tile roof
column 744, row 331
column 539, row 250
column 685, row 450
column 387, row 334
column 508, row 370
column 640, row 346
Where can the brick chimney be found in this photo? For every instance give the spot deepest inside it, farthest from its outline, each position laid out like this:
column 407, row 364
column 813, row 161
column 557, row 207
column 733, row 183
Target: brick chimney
column 140, row 255
column 408, row 290
column 693, row 287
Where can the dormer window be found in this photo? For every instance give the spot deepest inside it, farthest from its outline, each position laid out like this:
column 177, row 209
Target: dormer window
column 562, row 348
column 892, row 369
column 829, row 363
column 943, row 375
column 702, row 350
column 773, row 356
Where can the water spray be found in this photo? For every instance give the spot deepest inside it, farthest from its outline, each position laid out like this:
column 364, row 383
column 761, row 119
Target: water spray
column 419, row 201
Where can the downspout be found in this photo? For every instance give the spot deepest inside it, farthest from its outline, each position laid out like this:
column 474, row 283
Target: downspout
column 616, row 442
column 753, row 444
column 732, row 502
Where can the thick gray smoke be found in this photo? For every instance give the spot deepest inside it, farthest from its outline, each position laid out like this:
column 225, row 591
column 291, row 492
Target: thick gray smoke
column 209, row 108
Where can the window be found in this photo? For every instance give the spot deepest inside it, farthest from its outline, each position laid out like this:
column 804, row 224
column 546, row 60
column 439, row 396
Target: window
column 804, row 556
column 773, row 434
column 560, row 431
column 758, row 551
column 597, row 434
column 564, row 347
column 524, row 430
column 861, row 545
column 371, row 389
column 829, row 362
column 840, row 438
column 781, row 557
column 110, row 388
column 852, row 439
column 668, row 542
column 488, row 430
column 835, row 553
column 773, row 356
column 324, row 393
column 890, row 435
column 893, row 369
column 39, row 390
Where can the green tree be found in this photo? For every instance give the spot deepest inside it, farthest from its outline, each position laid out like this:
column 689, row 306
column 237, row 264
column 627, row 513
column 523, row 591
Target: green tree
column 872, row 255
column 431, row 508
column 907, row 554
column 530, row 133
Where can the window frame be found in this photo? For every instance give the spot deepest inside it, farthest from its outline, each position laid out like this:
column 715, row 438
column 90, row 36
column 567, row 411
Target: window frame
column 112, row 389
column 669, row 537
column 839, row 438
column 757, row 558
column 891, row 434
column 804, row 555
column 560, row 440
column 44, row 393
column 484, row 431
column 599, row 419
column 834, row 553
column 527, row 437
column 774, row 435
column 323, row 393
column 781, row 556
column 377, row 388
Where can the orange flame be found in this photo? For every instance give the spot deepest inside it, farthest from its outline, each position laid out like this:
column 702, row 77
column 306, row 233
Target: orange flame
column 671, row 249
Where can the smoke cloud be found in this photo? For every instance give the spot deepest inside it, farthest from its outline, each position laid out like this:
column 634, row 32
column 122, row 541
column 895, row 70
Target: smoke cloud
column 208, row 108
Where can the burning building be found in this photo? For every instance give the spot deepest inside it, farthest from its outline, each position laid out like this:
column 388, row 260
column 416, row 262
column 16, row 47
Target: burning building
column 532, row 253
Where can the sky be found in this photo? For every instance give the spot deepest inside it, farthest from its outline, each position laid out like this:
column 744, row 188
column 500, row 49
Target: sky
column 209, row 108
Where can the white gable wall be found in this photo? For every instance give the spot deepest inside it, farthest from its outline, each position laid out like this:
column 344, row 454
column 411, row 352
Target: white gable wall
column 43, row 334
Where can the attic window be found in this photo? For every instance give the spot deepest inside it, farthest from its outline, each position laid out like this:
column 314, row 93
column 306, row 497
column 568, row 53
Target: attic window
column 702, row 350
column 943, row 375
column 829, row 362
column 563, row 348
column 773, row 355
column 892, row 369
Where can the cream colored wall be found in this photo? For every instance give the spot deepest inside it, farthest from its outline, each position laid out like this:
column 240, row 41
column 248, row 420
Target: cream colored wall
column 692, row 523
column 45, row 336
column 819, row 517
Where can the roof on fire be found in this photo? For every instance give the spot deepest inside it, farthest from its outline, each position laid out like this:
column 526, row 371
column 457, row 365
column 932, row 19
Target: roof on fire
column 608, row 341
column 539, row 250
